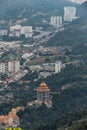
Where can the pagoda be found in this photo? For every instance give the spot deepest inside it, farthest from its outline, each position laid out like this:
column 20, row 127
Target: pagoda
column 43, row 95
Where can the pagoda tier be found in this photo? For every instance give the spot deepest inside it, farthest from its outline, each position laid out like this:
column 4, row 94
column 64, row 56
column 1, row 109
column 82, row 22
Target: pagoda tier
column 43, row 87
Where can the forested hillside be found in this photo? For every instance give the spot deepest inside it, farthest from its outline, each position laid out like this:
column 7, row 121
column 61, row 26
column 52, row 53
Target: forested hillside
column 74, row 34
column 12, row 9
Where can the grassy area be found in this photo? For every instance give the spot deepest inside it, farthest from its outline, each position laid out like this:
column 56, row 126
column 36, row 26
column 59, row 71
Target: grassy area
column 43, row 59
column 40, row 60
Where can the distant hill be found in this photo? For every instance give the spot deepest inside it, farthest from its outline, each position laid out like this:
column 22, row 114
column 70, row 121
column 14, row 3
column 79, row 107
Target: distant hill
column 72, row 121
column 71, row 100
column 75, row 32
column 12, row 9
column 84, row 5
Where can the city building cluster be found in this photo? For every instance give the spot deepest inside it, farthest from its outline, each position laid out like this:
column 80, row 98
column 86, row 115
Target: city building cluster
column 12, row 71
column 26, row 53
column 18, row 31
column 47, row 69
column 13, row 66
column 69, row 16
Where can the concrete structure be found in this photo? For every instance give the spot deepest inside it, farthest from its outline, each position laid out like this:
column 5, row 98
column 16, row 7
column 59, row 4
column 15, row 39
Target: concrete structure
column 2, row 67
column 13, row 66
column 15, row 31
column 18, row 30
column 79, row 1
column 69, row 14
column 43, row 95
column 29, row 35
column 27, row 31
column 3, row 32
column 11, row 119
column 28, row 55
column 58, row 66
column 56, row 21
column 4, row 120
column 16, row 27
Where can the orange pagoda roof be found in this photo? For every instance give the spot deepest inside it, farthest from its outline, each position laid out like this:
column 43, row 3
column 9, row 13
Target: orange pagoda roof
column 43, row 87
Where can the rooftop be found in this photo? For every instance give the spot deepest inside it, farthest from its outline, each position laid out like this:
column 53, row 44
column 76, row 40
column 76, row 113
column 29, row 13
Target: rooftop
column 43, row 87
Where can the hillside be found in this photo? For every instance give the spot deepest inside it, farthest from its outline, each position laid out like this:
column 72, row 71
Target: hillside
column 75, row 33
column 67, row 100
column 72, row 121
column 84, row 5
column 12, row 9
column 68, row 88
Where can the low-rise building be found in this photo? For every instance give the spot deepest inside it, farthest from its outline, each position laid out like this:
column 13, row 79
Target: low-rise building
column 28, row 55
column 3, row 32
column 79, row 1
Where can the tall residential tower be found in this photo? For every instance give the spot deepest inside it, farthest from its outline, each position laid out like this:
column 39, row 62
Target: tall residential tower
column 69, row 14
column 58, row 66
column 13, row 66
column 56, row 21
column 2, row 67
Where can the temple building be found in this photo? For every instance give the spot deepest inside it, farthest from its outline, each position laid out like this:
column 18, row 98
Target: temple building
column 12, row 119
column 43, row 95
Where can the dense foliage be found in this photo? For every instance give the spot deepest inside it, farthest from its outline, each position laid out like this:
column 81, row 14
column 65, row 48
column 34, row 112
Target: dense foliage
column 71, row 98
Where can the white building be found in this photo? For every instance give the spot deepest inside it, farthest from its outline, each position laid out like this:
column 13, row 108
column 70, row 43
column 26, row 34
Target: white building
column 16, row 27
column 3, row 32
column 69, row 14
column 56, row 21
column 28, row 35
column 13, row 66
column 15, row 30
column 27, row 31
column 18, row 30
column 2, row 67
column 79, row 1
column 14, row 122
column 58, row 66
column 10, row 121
column 28, row 55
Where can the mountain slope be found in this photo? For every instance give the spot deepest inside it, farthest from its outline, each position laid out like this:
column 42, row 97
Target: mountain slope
column 75, row 32
column 10, row 8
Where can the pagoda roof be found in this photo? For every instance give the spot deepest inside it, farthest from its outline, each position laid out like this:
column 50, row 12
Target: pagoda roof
column 43, row 87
